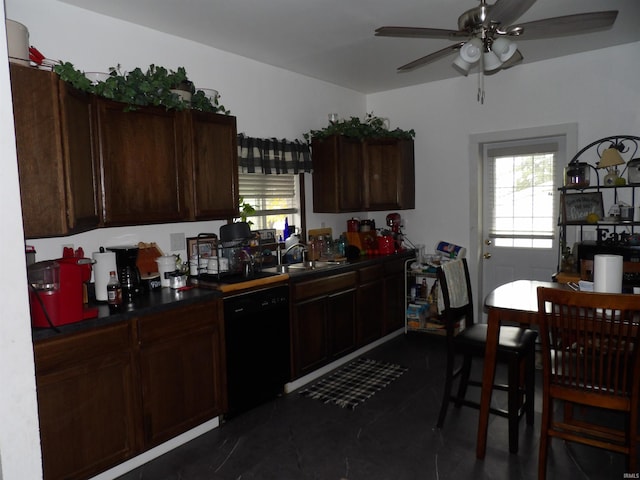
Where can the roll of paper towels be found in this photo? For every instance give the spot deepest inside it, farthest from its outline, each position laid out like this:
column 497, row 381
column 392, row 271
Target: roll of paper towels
column 105, row 263
column 607, row 273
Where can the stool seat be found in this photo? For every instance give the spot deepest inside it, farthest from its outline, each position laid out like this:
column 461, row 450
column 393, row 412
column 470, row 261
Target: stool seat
column 516, row 349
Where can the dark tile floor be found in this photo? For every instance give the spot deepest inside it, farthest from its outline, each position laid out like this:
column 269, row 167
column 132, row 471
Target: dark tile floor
column 391, row 436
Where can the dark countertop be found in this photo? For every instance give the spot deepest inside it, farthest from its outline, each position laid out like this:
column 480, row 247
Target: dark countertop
column 148, row 303
column 166, row 298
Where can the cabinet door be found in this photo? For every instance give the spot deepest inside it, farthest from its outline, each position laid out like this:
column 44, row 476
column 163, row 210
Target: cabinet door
column 213, row 156
column 310, row 338
column 182, row 369
column 370, row 304
column 342, row 322
column 55, row 158
column 141, row 165
column 394, row 297
column 337, row 175
column 86, row 402
column 389, row 174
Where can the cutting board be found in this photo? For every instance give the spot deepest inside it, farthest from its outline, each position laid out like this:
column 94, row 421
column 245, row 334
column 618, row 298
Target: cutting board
column 147, row 254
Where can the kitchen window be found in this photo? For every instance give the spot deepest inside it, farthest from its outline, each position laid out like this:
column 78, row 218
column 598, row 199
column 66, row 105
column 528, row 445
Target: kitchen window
column 275, row 198
column 270, row 180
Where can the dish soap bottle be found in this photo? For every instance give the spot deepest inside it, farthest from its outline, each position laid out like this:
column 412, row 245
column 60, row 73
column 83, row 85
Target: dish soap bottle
column 114, row 293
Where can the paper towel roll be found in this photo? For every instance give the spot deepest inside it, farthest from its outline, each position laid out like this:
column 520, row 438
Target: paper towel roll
column 607, row 273
column 105, row 263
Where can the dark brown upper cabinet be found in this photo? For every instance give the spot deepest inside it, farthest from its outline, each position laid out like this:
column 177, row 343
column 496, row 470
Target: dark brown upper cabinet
column 351, row 175
column 142, row 164
column 212, row 165
column 53, row 126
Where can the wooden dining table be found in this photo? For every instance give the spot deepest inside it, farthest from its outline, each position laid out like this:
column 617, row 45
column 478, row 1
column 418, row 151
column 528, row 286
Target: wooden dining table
column 515, row 303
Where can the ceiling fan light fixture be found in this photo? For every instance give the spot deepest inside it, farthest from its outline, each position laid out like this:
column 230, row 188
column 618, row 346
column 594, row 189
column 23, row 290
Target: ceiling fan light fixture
column 471, row 51
column 461, row 65
column 491, row 61
column 504, row 48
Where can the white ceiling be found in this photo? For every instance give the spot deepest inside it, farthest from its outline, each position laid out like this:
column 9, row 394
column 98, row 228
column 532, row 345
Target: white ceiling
column 333, row 40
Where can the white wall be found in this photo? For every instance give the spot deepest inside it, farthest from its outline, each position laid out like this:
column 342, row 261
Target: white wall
column 19, row 437
column 597, row 90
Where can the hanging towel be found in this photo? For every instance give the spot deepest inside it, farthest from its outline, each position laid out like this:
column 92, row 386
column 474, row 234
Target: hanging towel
column 457, row 284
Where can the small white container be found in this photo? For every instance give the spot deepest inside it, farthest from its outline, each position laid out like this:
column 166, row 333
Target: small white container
column 166, row 266
column 18, row 42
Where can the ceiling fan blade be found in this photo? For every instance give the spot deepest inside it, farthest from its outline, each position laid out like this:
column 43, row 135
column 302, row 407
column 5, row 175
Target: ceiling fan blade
column 506, row 12
column 418, row 32
column 568, row 25
column 432, row 57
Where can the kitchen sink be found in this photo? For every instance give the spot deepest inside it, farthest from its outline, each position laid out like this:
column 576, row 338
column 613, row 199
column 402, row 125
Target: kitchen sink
column 316, row 266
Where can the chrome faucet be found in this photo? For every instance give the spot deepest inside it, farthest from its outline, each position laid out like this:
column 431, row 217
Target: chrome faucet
column 291, row 247
column 281, row 254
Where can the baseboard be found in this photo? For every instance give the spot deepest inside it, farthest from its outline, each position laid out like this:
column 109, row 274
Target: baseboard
column 155, row 452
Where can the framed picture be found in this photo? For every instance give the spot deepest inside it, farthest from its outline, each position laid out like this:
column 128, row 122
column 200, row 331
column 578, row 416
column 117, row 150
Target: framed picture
column 576, row 206
column 267, row 236
column 204, row 246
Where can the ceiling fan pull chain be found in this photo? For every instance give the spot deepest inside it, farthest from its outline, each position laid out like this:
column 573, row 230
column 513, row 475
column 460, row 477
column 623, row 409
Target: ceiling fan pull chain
column 481, row 82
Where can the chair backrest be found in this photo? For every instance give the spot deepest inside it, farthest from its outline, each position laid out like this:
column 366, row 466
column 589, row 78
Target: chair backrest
column 457, row 300
column 590, row 343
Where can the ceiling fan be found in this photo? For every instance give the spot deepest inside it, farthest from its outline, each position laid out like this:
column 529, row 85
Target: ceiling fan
column 485, row 34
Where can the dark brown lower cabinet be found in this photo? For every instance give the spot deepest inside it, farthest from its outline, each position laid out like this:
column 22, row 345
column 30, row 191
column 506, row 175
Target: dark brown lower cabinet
column 182, row 374
column 394, row 295
column 370, row 303
column 87, row 402
column 322, row 321
column 110, row 393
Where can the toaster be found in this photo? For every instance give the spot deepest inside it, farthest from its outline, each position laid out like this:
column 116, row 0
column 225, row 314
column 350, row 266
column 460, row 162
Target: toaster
column 633, row 167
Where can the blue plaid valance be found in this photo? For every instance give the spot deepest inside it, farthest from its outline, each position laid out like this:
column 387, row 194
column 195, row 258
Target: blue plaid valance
column 273, row 156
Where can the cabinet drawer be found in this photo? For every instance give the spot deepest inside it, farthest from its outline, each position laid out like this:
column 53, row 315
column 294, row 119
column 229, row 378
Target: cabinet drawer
column 178, row 321
column 323, row 286
column 370, row 274
column 73, row 349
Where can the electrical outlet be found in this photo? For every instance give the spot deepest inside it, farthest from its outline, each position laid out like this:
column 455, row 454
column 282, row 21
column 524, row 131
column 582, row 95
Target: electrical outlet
column 177, row 241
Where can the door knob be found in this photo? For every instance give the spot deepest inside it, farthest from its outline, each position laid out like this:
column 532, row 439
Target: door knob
column 487, row 256
column 487, row 242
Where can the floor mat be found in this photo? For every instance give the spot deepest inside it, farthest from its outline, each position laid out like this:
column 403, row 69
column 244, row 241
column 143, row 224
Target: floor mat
column 354, row 383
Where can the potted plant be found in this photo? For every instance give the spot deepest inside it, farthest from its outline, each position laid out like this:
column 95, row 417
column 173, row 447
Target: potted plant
column 371, row 127
column 156, row 86
column 246, row 210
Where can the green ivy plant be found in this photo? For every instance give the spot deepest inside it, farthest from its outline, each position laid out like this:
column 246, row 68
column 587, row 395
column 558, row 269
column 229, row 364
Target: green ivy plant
column 370, row 127
column 246, row 210
column 141, row 88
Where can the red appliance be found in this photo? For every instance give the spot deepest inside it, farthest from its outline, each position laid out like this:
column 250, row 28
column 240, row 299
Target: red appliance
column 395, row 222
column 56, row 287
column 386, row 245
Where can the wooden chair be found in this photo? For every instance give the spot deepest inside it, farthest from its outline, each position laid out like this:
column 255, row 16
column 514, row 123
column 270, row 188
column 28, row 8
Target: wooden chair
column 590, row 345
column 516, row 348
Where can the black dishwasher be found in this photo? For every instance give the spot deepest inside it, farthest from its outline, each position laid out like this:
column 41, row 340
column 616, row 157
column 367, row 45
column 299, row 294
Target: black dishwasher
column 258, row 347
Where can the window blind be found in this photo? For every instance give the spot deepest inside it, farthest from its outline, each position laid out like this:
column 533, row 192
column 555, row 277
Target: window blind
column 521, row 188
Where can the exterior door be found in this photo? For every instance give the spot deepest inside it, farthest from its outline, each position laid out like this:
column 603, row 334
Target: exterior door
column 520, row 205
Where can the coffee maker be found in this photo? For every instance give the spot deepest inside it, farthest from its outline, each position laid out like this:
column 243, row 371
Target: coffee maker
column 128, row 273
column 56, row 293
